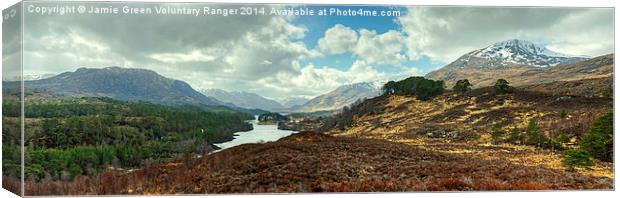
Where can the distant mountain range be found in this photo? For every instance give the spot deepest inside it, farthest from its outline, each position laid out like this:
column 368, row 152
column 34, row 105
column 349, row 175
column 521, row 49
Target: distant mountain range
column 518, row 61
column 244, row 99
column 521, row 63
column 145, row 85
column 293, row 101
column 340, row 97
column 333, row 100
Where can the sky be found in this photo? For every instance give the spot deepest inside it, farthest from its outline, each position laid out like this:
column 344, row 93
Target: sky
column 301, row 56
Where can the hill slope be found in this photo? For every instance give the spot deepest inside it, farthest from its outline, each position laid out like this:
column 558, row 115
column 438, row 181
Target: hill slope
column 340, row 97
column 471, row 116
column 595, row 87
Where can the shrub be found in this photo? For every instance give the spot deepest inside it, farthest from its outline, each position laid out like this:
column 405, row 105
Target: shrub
column 462, row 86
column 561, row 137
column 557, row 140
column 515, row 135
column 563, row 114
column 534, row 136
column 576, row 158
column 501, row 86
column 496, row 133
column 598, row 141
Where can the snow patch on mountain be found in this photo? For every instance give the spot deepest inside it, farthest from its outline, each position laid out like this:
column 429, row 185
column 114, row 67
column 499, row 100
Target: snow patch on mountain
column 522, row 52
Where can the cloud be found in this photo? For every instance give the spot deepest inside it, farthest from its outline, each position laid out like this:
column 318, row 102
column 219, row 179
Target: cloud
column 313, row 80
column 268, row 54
column 59, row 52
column 11, row 48
column 244, row 63
column 445, row 33
column 584, row 33
column 192, row 56
column 338, row 39
column 383, row 48
column 231, row 52
column 386, row 48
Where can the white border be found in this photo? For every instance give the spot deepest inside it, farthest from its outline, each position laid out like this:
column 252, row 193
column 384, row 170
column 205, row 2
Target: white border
column 560, row 3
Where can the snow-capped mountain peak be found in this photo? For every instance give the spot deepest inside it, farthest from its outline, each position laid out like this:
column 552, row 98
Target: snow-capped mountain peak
column 521, row 52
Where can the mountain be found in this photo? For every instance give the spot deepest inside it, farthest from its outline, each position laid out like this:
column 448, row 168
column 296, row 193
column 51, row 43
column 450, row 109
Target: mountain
column 514, row 52
column 520, row 62
column 340, row 97
column 28, row 77
column 122, row 84
column 293, row 101
column 243, row 99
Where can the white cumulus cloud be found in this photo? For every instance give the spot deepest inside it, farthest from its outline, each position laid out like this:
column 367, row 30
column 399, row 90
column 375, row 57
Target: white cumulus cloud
column 386, row 48
column 445, row 33
column 338, row 39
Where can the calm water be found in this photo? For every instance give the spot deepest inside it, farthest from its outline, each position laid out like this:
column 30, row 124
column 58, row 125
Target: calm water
column 261, row 133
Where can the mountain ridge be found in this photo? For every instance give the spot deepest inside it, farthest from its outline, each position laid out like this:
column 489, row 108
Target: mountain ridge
column 293, row 101
column 243, row 99
column 130, row 84
column 340, row 97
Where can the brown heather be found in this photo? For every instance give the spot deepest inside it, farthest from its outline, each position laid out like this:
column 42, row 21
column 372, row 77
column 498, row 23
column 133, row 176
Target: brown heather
column 311, row 162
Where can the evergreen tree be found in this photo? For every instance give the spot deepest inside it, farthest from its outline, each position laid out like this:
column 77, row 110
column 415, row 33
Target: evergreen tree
column 598, row 141
column 496, row 133
column 502, row 86
column 389, row 87
column 462, row 86
column 422, row 88
column 576, row 158
column 515, row 135
column 534, row 136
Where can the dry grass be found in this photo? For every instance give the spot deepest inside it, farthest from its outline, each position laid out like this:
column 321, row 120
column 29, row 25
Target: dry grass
column 407, row 120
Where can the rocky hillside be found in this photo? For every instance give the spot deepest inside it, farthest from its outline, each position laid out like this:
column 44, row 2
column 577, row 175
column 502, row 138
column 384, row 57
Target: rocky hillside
column 482, row 70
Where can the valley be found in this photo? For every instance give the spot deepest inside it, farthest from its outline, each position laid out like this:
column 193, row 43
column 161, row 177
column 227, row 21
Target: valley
column 520, row 122
column 394, row 143
column 260, row 133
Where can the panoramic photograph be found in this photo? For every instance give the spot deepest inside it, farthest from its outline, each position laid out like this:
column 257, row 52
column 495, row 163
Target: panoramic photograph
column 196, row 98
